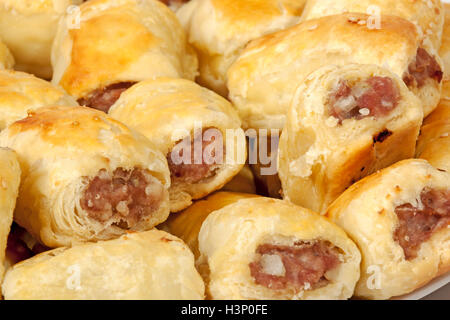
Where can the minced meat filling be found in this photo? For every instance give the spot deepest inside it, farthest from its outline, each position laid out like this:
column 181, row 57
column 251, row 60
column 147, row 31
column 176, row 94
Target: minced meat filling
column 301, row 266
column 124, row 197
column 374, row 97
column 190, row 171
column 422, row 68
column 102, row 99
column 416, row 225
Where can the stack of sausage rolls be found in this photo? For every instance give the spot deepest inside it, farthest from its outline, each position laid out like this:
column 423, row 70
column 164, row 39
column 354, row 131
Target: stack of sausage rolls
column 223, row 149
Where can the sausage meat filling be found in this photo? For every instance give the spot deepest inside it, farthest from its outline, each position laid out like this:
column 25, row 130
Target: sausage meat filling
column 422, row 68
column 301, row 266
column 192, row 171
column 124, row 197
column 417, row 224
column 376, row 96
column 102, row 99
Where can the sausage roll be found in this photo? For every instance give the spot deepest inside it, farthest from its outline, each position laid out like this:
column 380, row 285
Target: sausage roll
column 434, row 140
column 9, row 189
column 267, row 248
column 444, row 51
column 399, row 218
column 186, row 224
column 263, row 80
column 28, row 28
column 345, row 123
column 427, row 15
column 118, row 43
column 21, row 92
column 220, row 29
column 197, row 130
column 6, row 59
column 150, row 265
column 85, row 176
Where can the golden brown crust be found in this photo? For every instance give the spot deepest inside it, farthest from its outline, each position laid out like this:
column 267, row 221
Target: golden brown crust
column 167, row 110
column 319, row 158
column 118, row 42
column 28, row 28
column 231, row 24
column 263, row 80
column 149, row 265
column 427, row 15
column 60, row 149
column 366, row 211
column 21, row 92
column 9, row 189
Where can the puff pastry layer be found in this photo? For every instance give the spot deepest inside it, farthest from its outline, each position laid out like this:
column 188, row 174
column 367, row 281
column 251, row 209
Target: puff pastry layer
column 119, row 43
column 263, row 80
column 434, row 140
column 399, row 219
column 179, row 116
column 149, row 265
column 9, row 189
column 85, row 176
column 28, row 28
column 220, row 29
column 264, row 248
column 428, row 16
column 186, row 224
column 21, row 92
column 345, row 123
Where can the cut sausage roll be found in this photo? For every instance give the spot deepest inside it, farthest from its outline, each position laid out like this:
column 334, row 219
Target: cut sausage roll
column 28, row 28
column 345, row 123
column 149, row 265
column 9, row 189
column 263, row 80
column 220, row 29
column 85, row 176
column 444, row 51
column 197, row 130
column 119, row 43
column 21, row 92
column 399, row 218
column 6, row 59
column 265, row 248
column 186, row 224
column 427, row 15
column 434, row 140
